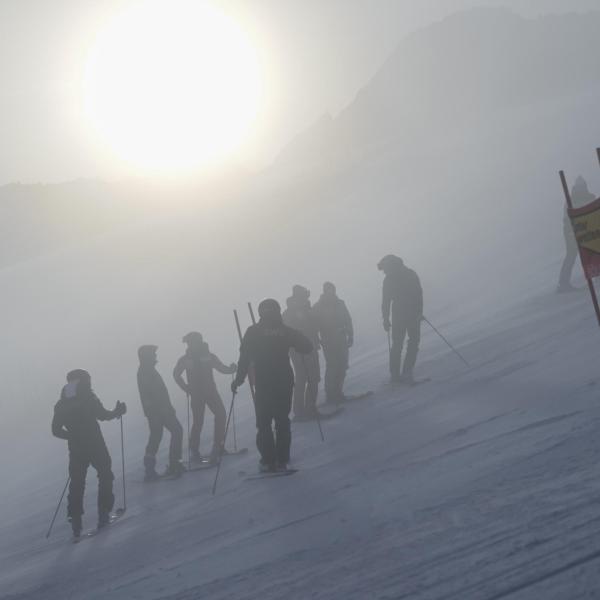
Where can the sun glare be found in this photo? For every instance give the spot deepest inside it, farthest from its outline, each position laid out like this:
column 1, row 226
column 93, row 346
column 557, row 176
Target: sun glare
column 172, row 85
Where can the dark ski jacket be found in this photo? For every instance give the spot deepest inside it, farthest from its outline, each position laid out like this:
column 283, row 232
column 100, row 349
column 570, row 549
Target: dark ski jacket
column 403, row 294
column 333, row 320
column 76, row 417
column 198, row 367
column 299, row 315
column 267, row 347
column 153, row 392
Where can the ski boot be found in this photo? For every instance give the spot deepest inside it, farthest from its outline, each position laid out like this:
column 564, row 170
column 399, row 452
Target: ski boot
column 264, row 467
column 76, row 526
column 103, row 519
column 150, row 466
column 175, row 470
column 197, row 458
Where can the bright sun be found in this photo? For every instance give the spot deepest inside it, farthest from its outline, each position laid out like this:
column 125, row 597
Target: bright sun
column 172, row 85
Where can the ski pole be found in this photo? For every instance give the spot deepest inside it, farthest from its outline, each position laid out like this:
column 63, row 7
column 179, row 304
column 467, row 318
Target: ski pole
column 188, row 432
column 239, row 330
column 251, row 313
column 58, row 507
column 214, row 488
column 446, row 341
column 318, row 415
column 122, row 510
column 234, row 431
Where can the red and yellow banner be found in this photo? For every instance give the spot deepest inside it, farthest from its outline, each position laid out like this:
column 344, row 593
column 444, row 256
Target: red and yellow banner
column 586, row 226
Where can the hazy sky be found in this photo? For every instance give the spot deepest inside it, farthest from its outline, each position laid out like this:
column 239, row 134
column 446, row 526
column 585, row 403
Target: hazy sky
column 322, row 52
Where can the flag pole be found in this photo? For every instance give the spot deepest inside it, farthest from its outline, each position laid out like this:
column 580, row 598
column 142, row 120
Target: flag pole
column 590, row 283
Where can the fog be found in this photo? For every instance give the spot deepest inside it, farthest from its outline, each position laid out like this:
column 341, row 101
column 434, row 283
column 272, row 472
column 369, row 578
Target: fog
column 448, row 157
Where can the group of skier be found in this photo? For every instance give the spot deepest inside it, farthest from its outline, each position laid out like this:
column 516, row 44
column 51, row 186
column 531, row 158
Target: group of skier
column 265, row 352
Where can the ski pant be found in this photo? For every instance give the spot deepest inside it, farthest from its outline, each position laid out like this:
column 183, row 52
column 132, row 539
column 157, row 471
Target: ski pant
column 79, row 461
column 198, row 406
column 336, row 366
column 307, row 374
column 273, row 404
column 159, row 422
column 401, row 327
column 572, row 250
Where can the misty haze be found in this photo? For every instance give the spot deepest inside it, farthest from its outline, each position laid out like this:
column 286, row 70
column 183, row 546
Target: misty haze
column 294, row 306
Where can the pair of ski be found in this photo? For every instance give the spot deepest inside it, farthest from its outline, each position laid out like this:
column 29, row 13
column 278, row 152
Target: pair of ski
column 119, row 513
column 413, row 384
column 271, row 474
column 204, row 465
column 338, row 407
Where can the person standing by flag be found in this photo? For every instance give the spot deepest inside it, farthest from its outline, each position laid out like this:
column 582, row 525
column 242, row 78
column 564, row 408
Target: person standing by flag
column 580, row 196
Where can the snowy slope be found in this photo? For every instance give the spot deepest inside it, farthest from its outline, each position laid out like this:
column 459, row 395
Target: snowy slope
column 481, row 484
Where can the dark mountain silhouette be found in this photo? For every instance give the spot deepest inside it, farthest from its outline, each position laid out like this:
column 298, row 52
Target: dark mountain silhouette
column 470, row 66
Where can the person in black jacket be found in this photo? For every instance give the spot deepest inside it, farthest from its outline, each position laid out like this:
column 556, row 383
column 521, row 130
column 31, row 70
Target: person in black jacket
column 337, row 337
column 76, row 417
column 198, row 363
column 160, row 414
column 307, row 371
column 402, row 294
column 266, row 346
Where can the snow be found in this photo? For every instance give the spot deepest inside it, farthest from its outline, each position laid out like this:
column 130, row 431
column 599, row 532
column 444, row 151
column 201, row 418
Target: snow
column 482, row 483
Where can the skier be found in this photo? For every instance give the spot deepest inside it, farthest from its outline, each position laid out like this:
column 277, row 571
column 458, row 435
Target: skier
column 266, row 345
column 580, row 196
column 198, row 364
column 403, row 294
column 160, row 414
column 76, row 417
column 337, row 337
column 299, row 315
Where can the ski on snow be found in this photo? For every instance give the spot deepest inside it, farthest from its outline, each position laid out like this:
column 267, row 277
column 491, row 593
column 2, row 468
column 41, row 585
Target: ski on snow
column 271, row 474
column 357, row 397
column 323, row 416
column 203, row 465
column 94, row 532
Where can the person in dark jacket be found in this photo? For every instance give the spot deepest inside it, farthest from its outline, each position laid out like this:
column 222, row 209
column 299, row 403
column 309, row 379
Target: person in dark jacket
column 160, row 414
column 307, row 371
column 266, row 346
column 580, row 196
column 199, row 384
column 403, row 296
column 76, row 417
column 337, row 337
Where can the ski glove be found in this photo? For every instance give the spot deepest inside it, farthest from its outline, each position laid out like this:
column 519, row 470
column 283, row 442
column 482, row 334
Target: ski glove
column 350, row 342
column 387, row 325
column 120, row 409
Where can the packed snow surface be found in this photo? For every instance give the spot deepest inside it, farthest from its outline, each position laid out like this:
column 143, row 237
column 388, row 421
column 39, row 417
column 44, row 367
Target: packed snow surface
column 482, row 483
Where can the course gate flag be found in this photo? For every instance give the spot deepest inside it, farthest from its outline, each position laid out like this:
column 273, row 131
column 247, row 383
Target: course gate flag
column 586, row 226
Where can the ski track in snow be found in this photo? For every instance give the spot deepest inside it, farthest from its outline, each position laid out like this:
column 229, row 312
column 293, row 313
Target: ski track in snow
column 482, row 483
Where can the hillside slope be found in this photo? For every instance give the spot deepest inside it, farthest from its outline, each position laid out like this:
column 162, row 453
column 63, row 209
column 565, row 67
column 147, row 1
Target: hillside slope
column 481, row 484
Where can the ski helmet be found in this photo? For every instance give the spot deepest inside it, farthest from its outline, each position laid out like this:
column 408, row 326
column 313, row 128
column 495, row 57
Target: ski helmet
column 389, row 260
column 147, row 352
column 269, row 307
column 191, row 337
